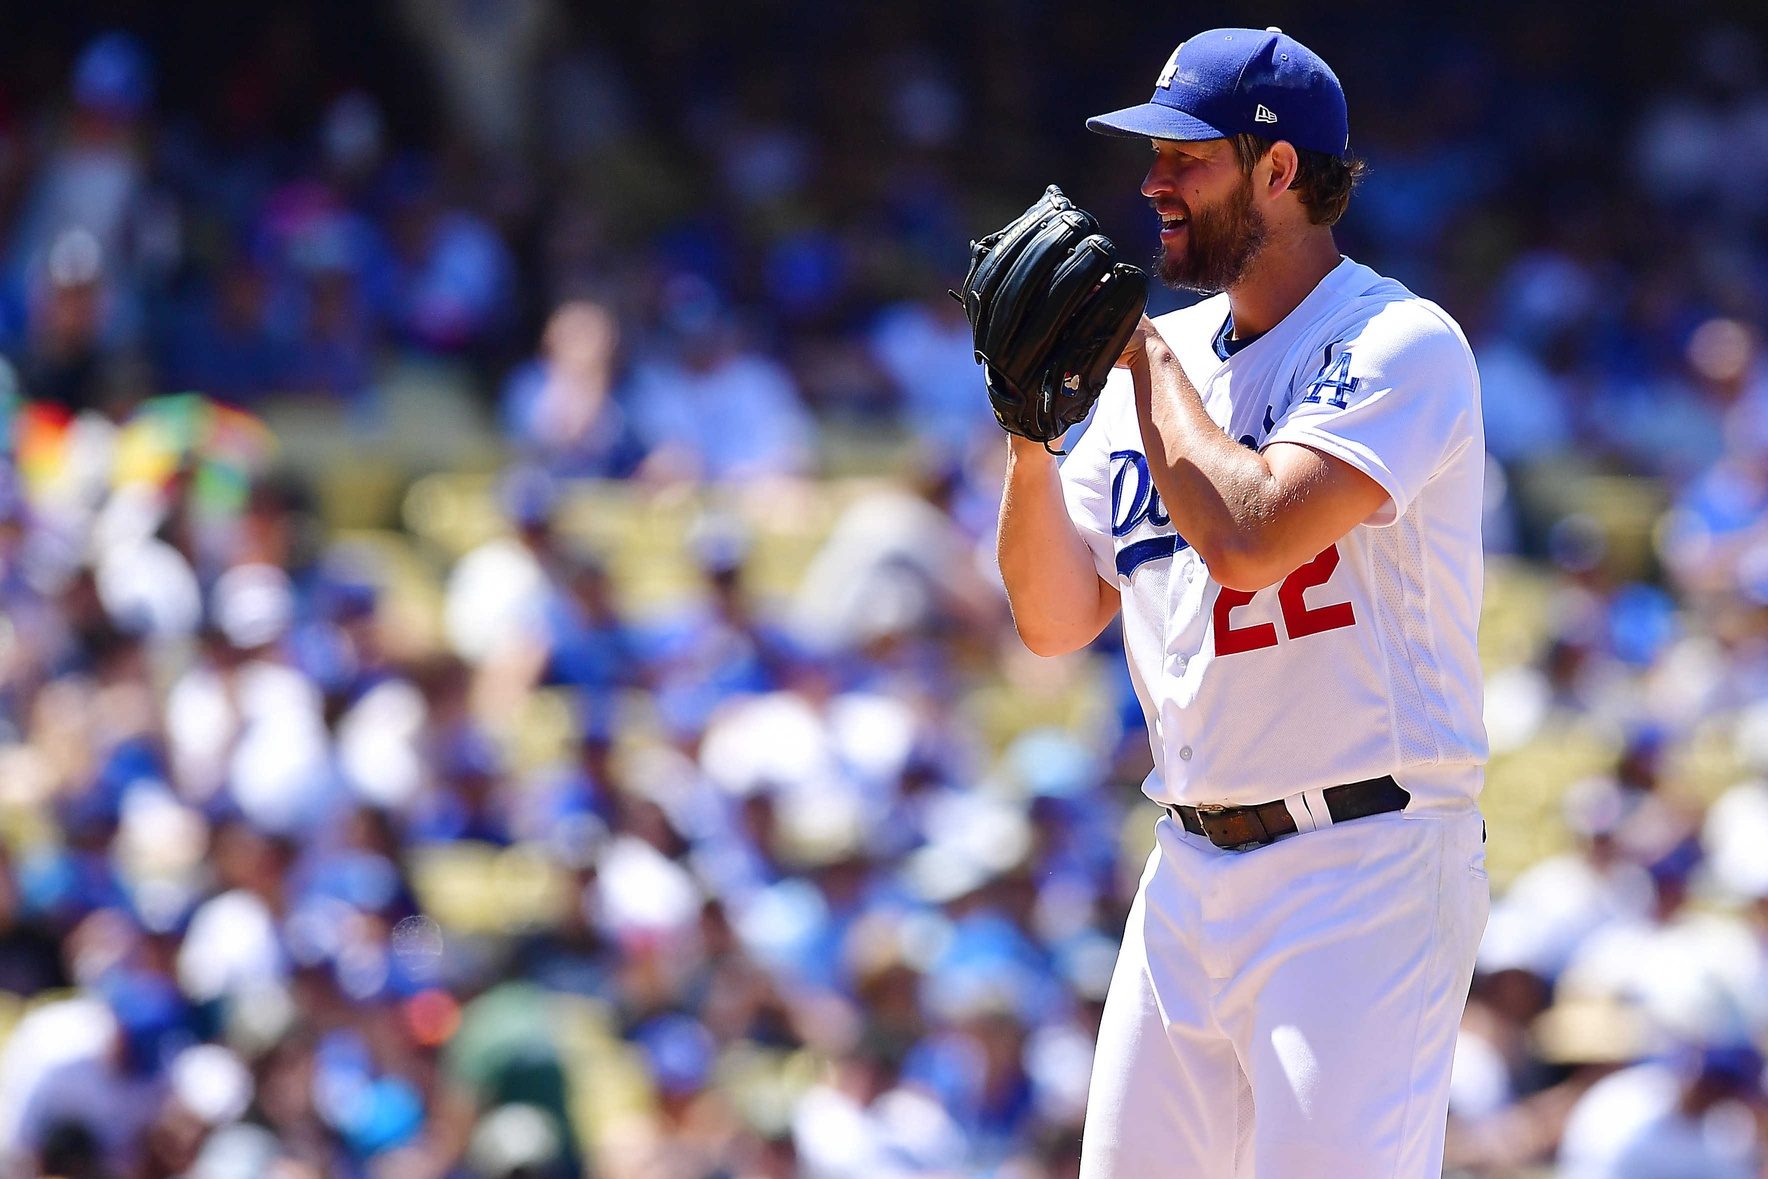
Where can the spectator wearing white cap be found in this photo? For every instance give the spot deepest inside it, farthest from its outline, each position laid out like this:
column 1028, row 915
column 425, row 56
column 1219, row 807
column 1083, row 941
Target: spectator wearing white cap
column 244, row 719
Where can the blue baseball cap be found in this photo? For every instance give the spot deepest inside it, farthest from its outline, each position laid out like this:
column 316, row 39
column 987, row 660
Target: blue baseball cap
column 1228, row 81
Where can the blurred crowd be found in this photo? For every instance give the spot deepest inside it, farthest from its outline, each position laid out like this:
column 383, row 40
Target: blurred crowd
column 804, row 869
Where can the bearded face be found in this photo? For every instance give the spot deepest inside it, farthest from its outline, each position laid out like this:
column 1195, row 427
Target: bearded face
column 1217, row 244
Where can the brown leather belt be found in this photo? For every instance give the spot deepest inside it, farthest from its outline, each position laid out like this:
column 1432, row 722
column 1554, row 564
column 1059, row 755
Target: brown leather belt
column 1238, row 827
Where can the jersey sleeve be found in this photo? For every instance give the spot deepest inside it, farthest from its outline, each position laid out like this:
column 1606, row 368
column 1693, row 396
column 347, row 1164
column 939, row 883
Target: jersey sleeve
column 1396, row 399
column 1086, row 486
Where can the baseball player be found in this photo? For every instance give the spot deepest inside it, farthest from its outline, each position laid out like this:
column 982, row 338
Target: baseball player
column 1281, row 491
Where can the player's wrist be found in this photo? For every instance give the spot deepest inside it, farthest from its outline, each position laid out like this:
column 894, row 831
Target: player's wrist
column 1028, row 449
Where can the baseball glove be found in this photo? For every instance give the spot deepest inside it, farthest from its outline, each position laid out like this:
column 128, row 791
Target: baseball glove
column 1050, row 309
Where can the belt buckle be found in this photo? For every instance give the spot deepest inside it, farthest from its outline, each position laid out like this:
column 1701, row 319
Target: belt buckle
column 1210, row 810
column 1219, row 808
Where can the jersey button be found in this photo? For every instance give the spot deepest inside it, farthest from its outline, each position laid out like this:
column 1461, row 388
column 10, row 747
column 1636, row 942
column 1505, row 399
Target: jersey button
column 1180, row 664
column 1184, row 753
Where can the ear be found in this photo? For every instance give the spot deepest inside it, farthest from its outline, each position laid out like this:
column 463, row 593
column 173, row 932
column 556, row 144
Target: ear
column 1284, row 165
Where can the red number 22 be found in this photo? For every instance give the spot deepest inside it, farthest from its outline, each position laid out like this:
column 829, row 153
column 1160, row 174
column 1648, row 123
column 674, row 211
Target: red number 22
column 1299, row 619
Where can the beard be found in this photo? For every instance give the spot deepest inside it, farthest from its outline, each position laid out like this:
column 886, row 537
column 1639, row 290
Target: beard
column 1220, row 245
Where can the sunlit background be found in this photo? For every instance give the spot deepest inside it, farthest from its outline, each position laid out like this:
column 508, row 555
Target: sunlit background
column 502, row 671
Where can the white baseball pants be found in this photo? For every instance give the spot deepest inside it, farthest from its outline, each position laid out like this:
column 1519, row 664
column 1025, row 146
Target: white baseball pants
column 1290, row 1012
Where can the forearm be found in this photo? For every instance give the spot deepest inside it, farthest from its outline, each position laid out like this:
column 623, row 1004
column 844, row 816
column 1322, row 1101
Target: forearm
column 1059, row 604
column 1222, row 496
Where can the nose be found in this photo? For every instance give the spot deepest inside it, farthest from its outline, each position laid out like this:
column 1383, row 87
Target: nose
column 1158, row 180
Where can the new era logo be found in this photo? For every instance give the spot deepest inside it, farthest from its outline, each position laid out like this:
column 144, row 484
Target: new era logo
column 1263, row 114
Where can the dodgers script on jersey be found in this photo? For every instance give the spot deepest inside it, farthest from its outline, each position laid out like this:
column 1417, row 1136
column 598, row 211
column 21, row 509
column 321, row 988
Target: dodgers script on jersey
column 1363, row 661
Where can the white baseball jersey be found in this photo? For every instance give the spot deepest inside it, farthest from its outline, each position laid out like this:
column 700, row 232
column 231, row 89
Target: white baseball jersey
column 1362, row 662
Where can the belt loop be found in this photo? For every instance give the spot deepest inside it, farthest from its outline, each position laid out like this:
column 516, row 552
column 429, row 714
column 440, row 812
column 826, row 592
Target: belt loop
column 1315, row 801
column 1298, row 809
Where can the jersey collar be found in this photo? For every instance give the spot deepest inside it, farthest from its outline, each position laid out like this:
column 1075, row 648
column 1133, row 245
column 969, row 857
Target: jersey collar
column 1225, row 344
column 1226, row 347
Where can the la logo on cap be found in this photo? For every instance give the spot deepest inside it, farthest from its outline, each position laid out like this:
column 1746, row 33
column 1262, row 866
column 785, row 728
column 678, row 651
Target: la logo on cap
column 1263, row 114
column 1172, row 67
